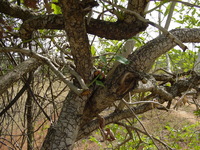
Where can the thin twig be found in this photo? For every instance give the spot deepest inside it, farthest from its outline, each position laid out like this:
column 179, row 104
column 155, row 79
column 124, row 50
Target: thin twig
column 140, row 123
column 74, row 73
column 134, row 128
column 128, row 139
column 182, row 2
column 152, row 102
column 161, row 3
column 47, row 61
column 138, row 16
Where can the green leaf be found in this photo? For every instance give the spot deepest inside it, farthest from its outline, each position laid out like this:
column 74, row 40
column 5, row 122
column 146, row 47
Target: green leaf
column 56, row 8
column 138, row 39
column 122, row 60
column 99, row 83
column 167, row 10
column 103, row 59
column 93, row 50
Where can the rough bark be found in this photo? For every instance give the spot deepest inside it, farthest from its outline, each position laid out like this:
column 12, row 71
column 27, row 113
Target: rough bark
column 110, row 30
column 74, row 16
column 63, row 135
column 112, row 118
column 136, row 6
column 123, row 29
column 141, row 60
column 74, row 114
column 105, row 96
column 175, row 90
column 14, row 75
column 30, row 123
column 15, row 11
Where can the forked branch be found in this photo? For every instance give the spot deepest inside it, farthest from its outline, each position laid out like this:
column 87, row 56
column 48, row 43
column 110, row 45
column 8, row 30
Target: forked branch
column 47, row 61
column 175, row 39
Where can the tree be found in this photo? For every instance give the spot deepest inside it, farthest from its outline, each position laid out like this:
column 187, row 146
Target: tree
column 25, row 30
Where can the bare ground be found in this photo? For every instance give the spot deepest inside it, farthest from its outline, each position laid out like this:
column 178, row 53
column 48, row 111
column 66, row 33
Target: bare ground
column 155, row 122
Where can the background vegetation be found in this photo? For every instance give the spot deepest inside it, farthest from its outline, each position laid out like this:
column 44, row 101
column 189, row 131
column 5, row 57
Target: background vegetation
column 33, row 103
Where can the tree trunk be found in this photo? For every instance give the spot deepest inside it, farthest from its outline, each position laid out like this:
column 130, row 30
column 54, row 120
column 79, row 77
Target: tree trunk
column 30, row 128
column 62, row 135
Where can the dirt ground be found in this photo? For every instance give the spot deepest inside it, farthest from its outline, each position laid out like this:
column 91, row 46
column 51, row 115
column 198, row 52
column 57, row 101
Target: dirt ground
column 156, row 119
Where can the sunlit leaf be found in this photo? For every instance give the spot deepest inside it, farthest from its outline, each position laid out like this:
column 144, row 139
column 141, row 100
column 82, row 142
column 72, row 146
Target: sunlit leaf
column 55, row 7
column 167, row 10
column 122, row 59
column 103, row 59
column 93, row 50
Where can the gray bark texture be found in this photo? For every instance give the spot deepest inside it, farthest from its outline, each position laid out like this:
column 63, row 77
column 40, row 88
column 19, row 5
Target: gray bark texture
column 14, row 75
column 140, row 62
column 76, row 118
column 67, row 127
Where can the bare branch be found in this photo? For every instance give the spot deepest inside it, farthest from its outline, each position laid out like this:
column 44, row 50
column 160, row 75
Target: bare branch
column 140, row 102
column 8, row 79
column 141, row 60
column 134, row 128
column 185, row 3
column 49, row 63
column 175, row 39
column 74, row 73
column 140, row 122
column 113, row 117
column 117, row 30
column 15, row 11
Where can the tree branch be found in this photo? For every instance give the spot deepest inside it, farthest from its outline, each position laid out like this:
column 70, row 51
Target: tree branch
column 174, row 38
column 113, row 117
column 49, row 63
column 117, row 30
column 140, row 60
column 179, row 87
column 15, row 11
column 8, row 79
